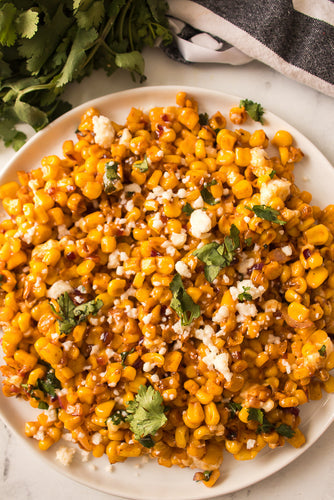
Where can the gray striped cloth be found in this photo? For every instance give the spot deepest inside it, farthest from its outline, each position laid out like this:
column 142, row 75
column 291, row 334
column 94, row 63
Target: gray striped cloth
column 295, row 37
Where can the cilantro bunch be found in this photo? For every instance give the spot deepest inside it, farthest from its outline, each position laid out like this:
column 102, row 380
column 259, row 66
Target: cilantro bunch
column 46, row 44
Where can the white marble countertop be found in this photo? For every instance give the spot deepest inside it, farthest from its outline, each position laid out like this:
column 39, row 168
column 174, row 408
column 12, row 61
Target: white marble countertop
column 23, row 474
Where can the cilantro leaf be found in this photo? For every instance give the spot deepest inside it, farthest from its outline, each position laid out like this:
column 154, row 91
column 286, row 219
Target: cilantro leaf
column 71, row 315
column 244, row 295
column 110, row 176
column 203, row 119
column 265, row 427
column 207, row 475
column 147, row 441
column 90, row 17
column 272, row 174
column 118, row 417
column 182, row 303
column 322, row 351
column 234, row 408
column 142, row 165
column 49, row 384
column 216, row 256
column 206, row 194
column 42, row 405
column 255, row 414
column 146, row 413
column 254, row 109
column 267, row 213
column 285, row 430
column 125, row 354
column 27, row 23
column 248, row 241
column 132, row 61
column 187, row 209
column 8, row 34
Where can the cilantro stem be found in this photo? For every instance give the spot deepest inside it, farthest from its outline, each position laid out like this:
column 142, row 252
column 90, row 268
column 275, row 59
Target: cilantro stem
column 121, row 23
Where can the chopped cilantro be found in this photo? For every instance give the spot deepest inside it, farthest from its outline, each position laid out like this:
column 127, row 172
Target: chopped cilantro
column 147, row 441
column 142, row 165
column 182, row 303
column 285, row 430
column 49, row 384
column 206, row 194
column 272, row 173
column 146, row 414
column 254, row 109
column 244, row 295
column 322, row 351
column 248, row 241
column 187, row 209
column 125, row 354
column 110, row 176
column 266, row 213
column 42, row 405
column 71, row 315
column 118, row 417
column 255, row 414
column 207, row 475
column 234, row 408
column 265, row 427
column 203, row 119
column 216, row 256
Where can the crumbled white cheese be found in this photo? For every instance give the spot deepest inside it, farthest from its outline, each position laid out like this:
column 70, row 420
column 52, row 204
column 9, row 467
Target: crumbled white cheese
column 200, row 224
column 259, row 157
column 114, row 259
column 132, row 188
column 219, row 362
column 245, row 263
column 103, row 130
column 131, row 312
column 155, row 377
column 146, row 319
column 274, row 188
column 248, row 286
column 84, row 455
column 40, row 434
column 58, row 288
column 245, row 311
column 198, row 203
column 221, row 314
column 178, row 239
column 62, row 231
column 147, row 367
column 250, row 444
column 272, row 339
column 182, row 193
column 65, row 455
column 96, row 438
column 182, row 268
column 157, row 223
column 51, row 413
column 287, row 366
column 287, row 250
column 125, row 137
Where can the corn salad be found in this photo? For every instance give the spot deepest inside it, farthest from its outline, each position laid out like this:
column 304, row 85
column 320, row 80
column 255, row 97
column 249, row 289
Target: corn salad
column 167, row 290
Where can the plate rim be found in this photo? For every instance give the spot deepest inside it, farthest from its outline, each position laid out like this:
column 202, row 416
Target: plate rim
column 99, row 102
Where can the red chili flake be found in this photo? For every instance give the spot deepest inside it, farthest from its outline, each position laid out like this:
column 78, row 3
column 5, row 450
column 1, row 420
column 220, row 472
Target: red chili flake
column 70, row 256
column 163, row 218
column 138, row 364
column 257, row 267
column 165, row 118
column 160, row 130
column 101, row 360
column 104, row 336
column 51, row 190
column 293, row 410
column 306, row 253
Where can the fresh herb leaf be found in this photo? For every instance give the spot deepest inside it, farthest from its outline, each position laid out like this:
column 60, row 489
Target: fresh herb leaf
column 267, row 213
column 147, row 441
column 110, row 176
column 182, row 303
column 248, row 241
column 49, row 384
column 322, row 351
column 216, row 256
column 207, row 475
column 203, row 119
column 125, row 354
column 254, row 109
column 118, row 417
column 187, row 209
column 265, row 427
column 255, row 414
column 285, row 430
column 272, row 174
column 142, row 165
column 234, row 408
column 71, row 315
column 146, row 412
column 206, row 194
column 42, row 405
column 244, row 295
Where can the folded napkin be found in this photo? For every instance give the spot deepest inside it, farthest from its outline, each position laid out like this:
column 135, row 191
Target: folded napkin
column 295, row 37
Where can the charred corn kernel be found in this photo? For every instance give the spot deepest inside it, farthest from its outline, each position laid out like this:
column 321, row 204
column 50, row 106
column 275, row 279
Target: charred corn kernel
column 212, row 416
column 165, row 265
column 243, row 415
column 289, row 402
column 108, row 244
column 85, row 267
column 329, row 384
column 44, row 444
column 194, row 415
column 258, row 139
column 26, row 360
column 116, row 287
column 51, row 353
column 16, row 260
column 35, row 374
column 172, row 361
column 317, row 235
column 181, row 436
column 226, row 139
column 242, row 157
column 242, row 189
column 282, row 138
column 225, row 157
column 103, row 410
column 129, row 373
column 298, row 312
column 316, row 277
column 188, row 117
column 9, row 190
column 298, row 439
column 233, row 446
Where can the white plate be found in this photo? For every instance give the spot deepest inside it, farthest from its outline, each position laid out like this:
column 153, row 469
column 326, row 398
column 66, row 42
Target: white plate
column 151, row 481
